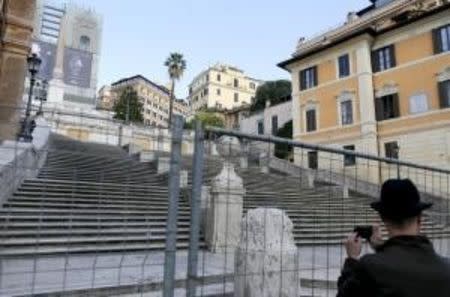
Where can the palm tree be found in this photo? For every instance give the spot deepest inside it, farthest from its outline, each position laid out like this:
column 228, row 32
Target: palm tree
column 175, row 65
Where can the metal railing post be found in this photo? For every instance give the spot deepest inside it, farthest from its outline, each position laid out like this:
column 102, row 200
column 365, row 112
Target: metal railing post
column 194, row 233
column 172, row 216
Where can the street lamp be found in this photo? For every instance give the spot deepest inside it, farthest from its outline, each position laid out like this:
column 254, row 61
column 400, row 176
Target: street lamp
column 42, row 95
column 34, row 63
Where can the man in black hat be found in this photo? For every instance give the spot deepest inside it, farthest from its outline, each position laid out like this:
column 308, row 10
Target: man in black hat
column 406, row 265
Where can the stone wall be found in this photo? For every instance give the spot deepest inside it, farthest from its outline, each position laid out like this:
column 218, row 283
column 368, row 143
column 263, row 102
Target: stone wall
column 17, row 20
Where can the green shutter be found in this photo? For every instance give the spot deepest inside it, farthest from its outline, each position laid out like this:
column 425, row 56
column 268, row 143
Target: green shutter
column 316, row 79
column 437, row 42
column 444, row 94
column 396, row 105
column 392, row 53
column 375, row 62
column 379, row 109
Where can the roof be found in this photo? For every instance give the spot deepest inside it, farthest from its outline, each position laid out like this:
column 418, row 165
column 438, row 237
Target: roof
column 161, row 88
column 364, row 30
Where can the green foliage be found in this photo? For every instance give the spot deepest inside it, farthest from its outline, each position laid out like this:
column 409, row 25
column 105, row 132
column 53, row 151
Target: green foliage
column 274, row 91
column 284, row 151
column 135, row 107
column 176, row 65
column 207, row 119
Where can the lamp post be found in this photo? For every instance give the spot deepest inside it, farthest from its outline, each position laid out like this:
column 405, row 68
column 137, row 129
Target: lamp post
column 34, row 63
column 43, row 96
column 397, row 156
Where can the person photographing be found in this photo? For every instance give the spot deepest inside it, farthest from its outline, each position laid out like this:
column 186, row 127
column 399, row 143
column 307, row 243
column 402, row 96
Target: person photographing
column 406, row 265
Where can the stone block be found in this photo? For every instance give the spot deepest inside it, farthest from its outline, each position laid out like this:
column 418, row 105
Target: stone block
column 163, row 165
column 310, row 179
column 267, row 259
column 146, row 156
column 224, row 212
column 184, row 179
column 264, row 162
column 339, row 191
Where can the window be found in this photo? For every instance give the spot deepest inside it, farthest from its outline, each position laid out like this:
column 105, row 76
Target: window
column 274, row 125
column 391, row 150
column 441, row 39
column 344, row 65
column 236, row 97
column 252, row 86
column 236, row 83
column 206, row 91
column 311, row 124
column 308, row 78
column 418, row 103
column 219, row 92
column 444, row 94
column 261, row 127
column 207, row 78
column 383, row 58
column 313, row 160
column 347, row 112
column 219, row 78
column 85, row 43
column 387, row 107
column 349, row 160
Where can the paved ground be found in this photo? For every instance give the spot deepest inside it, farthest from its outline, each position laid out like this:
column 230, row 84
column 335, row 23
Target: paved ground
column 50, row 274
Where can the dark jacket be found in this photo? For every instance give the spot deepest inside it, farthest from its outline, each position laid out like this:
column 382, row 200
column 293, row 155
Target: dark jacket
column 405, row 266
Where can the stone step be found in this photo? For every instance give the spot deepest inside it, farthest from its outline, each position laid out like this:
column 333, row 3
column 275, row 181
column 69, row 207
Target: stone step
column 99, row 212
column 124, row 230
column 88, row 248
column 104, row 206
column 93, row 225
column 86, row 183
column 69, row 240
column 83, row 217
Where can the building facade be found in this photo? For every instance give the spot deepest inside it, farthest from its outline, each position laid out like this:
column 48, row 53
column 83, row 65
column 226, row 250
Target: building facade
column 16, row 27
column 154, row 97
column 269, row 120
column 379, row 84
column 105, row 98
column 68, row 40
column 222, row 87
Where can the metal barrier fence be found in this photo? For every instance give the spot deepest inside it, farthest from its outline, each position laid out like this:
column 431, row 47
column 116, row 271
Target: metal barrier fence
column 83, row 215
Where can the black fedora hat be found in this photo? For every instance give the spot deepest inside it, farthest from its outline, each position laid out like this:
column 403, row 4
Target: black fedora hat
column 399, row 199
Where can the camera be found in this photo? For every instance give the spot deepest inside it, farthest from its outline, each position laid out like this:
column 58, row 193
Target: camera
column 364, row 232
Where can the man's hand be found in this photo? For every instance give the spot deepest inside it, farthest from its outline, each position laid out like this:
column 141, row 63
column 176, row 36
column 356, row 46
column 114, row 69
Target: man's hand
column 353, row 245
column 376, row 240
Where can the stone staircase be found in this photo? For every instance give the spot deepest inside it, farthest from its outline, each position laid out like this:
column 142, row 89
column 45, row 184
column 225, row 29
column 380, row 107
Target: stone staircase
column 92, row 198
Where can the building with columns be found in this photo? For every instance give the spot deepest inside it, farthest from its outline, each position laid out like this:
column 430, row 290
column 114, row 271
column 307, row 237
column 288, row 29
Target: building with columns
column 222, row 87
column 379, row 83
column 67, row 38
column 16, row 28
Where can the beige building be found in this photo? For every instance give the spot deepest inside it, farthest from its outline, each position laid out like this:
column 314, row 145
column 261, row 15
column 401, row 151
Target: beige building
column 154, row 97
column 222, row 87
column 379, row 83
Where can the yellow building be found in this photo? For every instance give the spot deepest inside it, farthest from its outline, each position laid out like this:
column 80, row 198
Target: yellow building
column 155, row 99
column 379, row 84
column 222, row 87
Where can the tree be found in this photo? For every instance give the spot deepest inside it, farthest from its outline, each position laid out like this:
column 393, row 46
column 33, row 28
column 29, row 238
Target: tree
column 176, row 65
column 274, row 91
column 284, row 151
column 128, row 108
column 207, row 119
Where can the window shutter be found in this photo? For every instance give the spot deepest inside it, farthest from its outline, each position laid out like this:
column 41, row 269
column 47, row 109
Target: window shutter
column 396, row 105
column 375, row 62
column 316, row 81
column 443, row 94
column 393, row 56
column 379, row 109
column 302, row 80
column 437, row 42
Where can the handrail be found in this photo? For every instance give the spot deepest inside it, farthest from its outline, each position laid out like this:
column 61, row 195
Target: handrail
column 317, row 147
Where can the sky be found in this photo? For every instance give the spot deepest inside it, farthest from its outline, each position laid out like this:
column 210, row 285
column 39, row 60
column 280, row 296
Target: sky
column 138, row 35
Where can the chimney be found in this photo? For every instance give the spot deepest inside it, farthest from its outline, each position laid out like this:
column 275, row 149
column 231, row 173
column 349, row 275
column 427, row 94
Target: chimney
column 351, row 17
